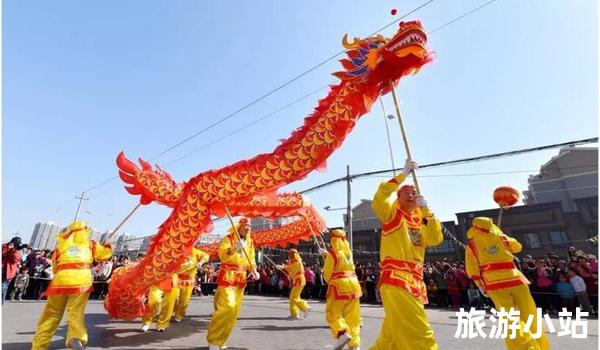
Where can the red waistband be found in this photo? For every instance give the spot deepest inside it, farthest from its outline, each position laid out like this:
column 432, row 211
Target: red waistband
column 509, row 265
column 74, row 266
column 343, row 274
column 233, row 267
column 415, row 269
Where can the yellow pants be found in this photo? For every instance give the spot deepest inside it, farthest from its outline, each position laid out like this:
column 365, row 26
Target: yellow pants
column 405, row 325
column 185, row 294
column 344, row 316
column 296, row 303
column 168, row 305
column 227, row 303
column 520, row 298
column 53, row 314
column 153, row 305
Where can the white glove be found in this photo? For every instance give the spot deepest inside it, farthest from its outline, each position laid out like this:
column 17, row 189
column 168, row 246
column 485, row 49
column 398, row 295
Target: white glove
column 255, row 275
column 279, row 267
column 421, row 202
column 322, row 251
column 239, row 246
column 409, row 166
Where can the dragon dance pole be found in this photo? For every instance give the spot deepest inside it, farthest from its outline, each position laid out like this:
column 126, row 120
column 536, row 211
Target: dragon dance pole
column 272, row 262
column 237, row 234
column 404, row 137
column 499, row 223
column 312, row 232
column 121, row 224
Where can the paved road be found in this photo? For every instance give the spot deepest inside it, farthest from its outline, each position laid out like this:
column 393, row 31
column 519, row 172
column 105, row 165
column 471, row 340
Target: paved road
column 262, row 325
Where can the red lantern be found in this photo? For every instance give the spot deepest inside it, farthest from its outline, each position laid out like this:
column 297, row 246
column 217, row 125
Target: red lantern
column 506, row 196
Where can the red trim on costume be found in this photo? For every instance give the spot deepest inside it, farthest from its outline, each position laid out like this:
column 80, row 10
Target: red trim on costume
column 505, row 284
column 74, row 266
column 475, row 277
column 412, row 221
column 473, row 248
column 334, row 257
column 509, row 265
column 390, row 266
column 481, row 229
column 69, row 290
column 343, row 274
column 186, row 282
column 239, row 278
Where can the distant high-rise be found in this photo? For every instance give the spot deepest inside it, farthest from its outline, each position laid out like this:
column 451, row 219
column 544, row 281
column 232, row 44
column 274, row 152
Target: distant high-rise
column 568, row 176
column 44, row 235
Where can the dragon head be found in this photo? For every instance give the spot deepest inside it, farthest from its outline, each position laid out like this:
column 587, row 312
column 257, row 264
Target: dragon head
column 377, row 60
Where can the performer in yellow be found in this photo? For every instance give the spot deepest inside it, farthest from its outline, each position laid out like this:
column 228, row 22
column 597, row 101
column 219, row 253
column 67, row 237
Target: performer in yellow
column 153, row 307
column 170, row 288
column 409, row 226
column 161, row 303
column 187, row 280
column 231, row 283
column 489, row 262
column 342, row 308
column 295, row 271
column 71, row 286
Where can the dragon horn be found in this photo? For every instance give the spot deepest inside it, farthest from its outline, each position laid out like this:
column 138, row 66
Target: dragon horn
column 126, row 165
column 145, row 164
column 353, row 45
column 127, row 178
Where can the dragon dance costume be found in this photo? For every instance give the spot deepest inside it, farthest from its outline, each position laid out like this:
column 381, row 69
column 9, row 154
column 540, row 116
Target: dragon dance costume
column 295, row 271
column 161, row 303
column 231, row 284
column 489, row 262
column 404, row 238
column 187, row 280
column 71, row 286
column 342, row 308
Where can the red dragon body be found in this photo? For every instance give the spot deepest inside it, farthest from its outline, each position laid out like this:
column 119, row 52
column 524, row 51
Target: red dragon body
column 248, row 187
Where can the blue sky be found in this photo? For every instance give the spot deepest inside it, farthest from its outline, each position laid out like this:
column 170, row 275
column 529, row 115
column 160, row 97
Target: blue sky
column 85, row 80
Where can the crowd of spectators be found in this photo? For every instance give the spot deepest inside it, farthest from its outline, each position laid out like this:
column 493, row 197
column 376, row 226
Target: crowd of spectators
column 556, row 282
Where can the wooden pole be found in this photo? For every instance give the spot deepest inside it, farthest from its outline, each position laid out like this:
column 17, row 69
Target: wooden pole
column 404, row 137
column 499, row 223
column 121, row 223
column 239, row 238
column 312, row 232
column 273, row 262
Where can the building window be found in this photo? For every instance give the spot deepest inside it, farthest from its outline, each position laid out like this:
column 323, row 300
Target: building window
column 532, row 240
column 558, row 237
column 447, row 246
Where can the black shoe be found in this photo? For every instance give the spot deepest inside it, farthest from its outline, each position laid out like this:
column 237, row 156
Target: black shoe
column 75, row 344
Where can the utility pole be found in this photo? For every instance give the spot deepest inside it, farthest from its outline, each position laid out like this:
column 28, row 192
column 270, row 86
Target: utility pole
column 81, row 199
column 349, row 206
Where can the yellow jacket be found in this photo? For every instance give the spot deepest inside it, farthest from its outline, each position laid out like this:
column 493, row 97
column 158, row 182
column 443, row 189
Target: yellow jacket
column 233, row 263
column 489, row 256
column 404, row 238
column 339, row 271
column 295, row 269
column 72, row 262
column 188, row 270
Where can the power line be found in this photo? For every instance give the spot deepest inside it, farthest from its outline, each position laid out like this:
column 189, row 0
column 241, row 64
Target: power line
column 247, row 125
column 271, row 92
column 496, row 172
column 459, row 161
column 461, row 17
column 277, row 89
